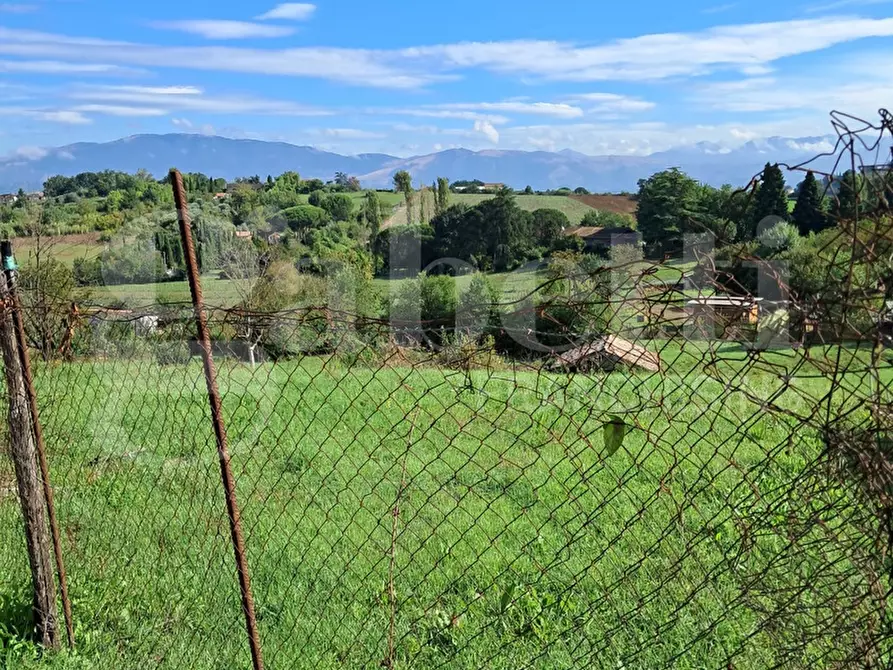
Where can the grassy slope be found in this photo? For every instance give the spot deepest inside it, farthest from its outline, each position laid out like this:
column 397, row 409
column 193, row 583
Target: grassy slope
column 511, row 518
column 65, row 248
column 217, row 293
column 574, row 209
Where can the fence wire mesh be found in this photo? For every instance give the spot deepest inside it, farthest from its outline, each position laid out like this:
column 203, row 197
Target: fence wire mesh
column 707, row 487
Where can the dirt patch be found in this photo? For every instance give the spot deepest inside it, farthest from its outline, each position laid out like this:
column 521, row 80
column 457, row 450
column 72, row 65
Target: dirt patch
column 398, row 217
column 619, row 204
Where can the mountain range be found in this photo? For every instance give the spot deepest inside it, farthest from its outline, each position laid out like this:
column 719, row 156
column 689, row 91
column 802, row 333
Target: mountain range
column 231, row 158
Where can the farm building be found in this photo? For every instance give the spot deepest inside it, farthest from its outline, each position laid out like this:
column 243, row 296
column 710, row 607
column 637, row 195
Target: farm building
column 723, row 315
column 599, row 239
column 243, row 234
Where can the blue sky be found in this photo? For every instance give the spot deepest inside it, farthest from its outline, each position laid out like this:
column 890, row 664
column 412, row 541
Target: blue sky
column 356, row 76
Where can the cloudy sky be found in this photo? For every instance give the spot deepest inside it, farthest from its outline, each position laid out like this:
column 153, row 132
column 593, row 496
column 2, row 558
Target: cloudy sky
column 415, row 77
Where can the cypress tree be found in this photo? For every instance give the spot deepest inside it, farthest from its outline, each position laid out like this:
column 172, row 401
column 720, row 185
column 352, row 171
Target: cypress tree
column 809, row 215
column 851, row 196
column 771, row 198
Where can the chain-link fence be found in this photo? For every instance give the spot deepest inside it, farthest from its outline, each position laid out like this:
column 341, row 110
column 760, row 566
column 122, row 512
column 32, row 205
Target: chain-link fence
column 621, row 464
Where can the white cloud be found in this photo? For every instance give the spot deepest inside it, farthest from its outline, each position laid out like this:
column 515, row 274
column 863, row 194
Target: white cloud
column 354, row 66
column 350, row 133
column 822, row 146
column 290, row 11
column 30, row 153
column 192, row 99
column 654, row 57
column 52, row 115
column 120, row 110
column 59, row 67
column 224, row 30
column 463, row 115
column 207, row 129
column 841, row 4
column 613, row 103
column 63, row 116
column 487, row 130
column 647, row 138
column 182, row 123
column 844, row 88
column 15, row 8
column 558, row 110
column 149, row 90
column 719, row 9
column 645, row 58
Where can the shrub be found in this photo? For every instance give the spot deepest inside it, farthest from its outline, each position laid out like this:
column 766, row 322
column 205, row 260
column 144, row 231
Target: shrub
column 170, row 352
column 338, row 205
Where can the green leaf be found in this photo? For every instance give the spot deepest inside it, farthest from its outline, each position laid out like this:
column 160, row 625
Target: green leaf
column 615, row 431
column 508, row 597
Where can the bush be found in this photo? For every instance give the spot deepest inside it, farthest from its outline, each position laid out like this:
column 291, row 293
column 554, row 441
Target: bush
column 625, row 254
column 316, row 198
column 87, row 272
column 170, row 352
column 549, row 226
column 781, row 237
column 599, row 218
column 338, row 205
column 305, row 217
column 425, row 306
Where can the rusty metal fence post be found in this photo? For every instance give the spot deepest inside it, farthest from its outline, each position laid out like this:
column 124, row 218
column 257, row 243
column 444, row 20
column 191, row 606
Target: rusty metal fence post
column 9, row 269
column 229, row 484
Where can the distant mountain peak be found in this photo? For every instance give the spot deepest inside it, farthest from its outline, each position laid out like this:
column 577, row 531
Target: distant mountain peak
column 709, row 162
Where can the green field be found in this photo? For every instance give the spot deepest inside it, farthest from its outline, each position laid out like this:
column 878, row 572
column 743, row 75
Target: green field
column 64, row 248
column 217, row 293
column 388, row 199
column 520, row 541
column 573, row 209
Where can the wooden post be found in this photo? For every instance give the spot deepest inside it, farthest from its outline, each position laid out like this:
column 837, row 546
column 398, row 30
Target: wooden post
column 28, row 480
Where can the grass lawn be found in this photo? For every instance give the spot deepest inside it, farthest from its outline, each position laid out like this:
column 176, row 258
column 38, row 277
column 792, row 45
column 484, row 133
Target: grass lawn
column 387, row 198
column 64, row 248
column 510, row 285
column 217, row 293
column 520, row 542
column 573, row 209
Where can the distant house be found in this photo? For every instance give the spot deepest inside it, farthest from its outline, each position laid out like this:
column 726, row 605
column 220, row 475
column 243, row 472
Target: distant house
column 8, row 198
column 491, row 187
column 37, row 196
column 244, row 234
column 597, row 239
column 219, row 196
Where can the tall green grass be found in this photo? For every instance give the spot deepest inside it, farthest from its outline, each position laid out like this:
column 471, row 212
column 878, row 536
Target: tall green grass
column 519, row 542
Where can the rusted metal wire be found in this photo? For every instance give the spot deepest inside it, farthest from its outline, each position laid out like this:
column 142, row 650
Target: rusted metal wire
column 229, row 482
